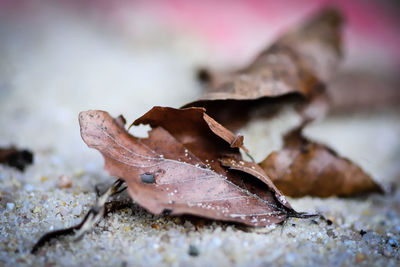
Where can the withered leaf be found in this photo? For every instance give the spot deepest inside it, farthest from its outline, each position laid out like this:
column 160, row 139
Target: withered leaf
column 318, row 43
column 304, row 167
column 369, row 91
column 296, row 64
column 17, row 158
column 176, row 170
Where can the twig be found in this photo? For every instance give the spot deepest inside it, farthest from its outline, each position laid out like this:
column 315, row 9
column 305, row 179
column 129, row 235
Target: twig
column 93, row 216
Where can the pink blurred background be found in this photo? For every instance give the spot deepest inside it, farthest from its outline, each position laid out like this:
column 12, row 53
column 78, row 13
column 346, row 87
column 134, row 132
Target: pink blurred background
column 235, row 30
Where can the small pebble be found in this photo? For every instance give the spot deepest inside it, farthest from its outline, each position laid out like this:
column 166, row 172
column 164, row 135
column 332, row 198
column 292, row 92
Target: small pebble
column 393, row 243
column 36, row 210
column 155, row 226
column 193, row 251
column 177, row 220
column 79, row 173
column 64, row 181
column 10, row 206
column 169, row 258
column 360, row 257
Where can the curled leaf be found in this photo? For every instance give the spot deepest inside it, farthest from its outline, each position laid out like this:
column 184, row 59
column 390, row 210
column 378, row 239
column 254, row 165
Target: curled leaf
column 304, row 167
column 318, row 43
column 292, row 70
column 176, row 170
column 370, row 90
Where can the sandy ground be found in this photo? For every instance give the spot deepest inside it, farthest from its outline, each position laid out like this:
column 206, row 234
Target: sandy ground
column 46, row 78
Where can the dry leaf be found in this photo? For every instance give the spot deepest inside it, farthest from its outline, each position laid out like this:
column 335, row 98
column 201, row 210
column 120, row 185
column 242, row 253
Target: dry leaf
column 318, row 43
column 16, row 158
column 304, row 167
column 176, row 170
column 296, row 64
column 364, row 91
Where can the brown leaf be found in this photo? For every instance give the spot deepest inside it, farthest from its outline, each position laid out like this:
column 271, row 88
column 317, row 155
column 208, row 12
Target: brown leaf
column 176, row 170
column 16, row 158
column 304, row 167
column 318, row 42
column 296, row 64
column 370, row 90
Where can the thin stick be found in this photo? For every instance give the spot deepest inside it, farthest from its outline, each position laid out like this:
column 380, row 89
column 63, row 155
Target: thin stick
column 93, row 216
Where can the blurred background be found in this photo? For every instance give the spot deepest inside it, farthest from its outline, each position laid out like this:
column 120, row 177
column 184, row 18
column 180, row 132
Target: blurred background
column 125, row 56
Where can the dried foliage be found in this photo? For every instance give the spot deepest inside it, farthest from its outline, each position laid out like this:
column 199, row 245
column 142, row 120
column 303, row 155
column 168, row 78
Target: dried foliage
column 304, row 167
column 17, row 158
column 291, row 71
column 176, row 170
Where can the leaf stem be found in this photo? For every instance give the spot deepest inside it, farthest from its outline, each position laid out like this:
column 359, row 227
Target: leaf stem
column 93, row 216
